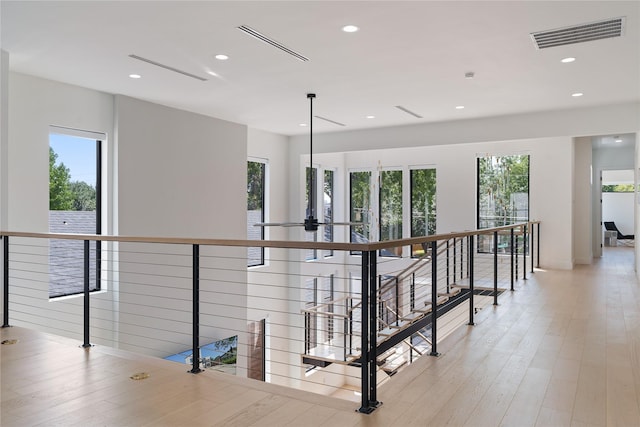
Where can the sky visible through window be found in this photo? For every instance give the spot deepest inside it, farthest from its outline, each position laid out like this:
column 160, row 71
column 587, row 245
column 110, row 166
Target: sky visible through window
column 74, row 151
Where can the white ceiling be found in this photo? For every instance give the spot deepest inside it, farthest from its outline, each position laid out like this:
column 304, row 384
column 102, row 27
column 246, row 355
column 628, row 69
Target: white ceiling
column 409, row 53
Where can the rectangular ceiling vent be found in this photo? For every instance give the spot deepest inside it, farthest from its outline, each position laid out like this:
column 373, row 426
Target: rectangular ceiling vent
column 329, row 120
column 267, row 40
column 167, row 67
column 411, row 113
column 579, row 33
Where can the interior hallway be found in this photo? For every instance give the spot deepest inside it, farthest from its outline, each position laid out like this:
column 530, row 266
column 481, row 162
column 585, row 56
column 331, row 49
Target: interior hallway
column 564, row 349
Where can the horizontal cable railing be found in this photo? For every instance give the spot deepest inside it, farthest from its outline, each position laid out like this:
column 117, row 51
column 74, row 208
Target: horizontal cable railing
column 301, row 319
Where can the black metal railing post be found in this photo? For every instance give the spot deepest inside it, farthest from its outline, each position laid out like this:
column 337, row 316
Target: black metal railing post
column 364, row 346
column 373, row 331
column 524, row 252
column 516, row 257
column 345, row 328
column 471, row 305
column 307, row 332
column 471, row 246
column 195, row 355
column 86, row 295
column 495, row 268
column 412, row 292
column 350, row 311
column 5, row 281
column 462, row 256
column 538, row 246
column 434, row 298
column 512, row 256
column 448, row 261
column 455, row 258
column 532, row 238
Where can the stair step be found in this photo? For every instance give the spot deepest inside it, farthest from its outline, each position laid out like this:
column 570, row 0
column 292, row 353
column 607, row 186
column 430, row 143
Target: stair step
column 425, row 310
column 452, row 292
column 414, row 315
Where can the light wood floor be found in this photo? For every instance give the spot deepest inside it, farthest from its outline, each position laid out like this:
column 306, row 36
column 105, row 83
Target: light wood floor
column 562, row 350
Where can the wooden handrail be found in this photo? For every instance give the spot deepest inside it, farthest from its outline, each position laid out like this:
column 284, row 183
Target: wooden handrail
column 285, row 244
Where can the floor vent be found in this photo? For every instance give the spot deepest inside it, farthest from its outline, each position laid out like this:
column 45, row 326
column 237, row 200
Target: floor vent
column 579, row 33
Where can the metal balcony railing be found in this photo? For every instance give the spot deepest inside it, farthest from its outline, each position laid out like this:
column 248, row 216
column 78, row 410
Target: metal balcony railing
column 327, row 325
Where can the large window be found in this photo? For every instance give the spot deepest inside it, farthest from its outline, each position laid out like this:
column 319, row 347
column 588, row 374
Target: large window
column 256, row 172
column 423, row 206
column 360, row 204
column 75, row 170
column 391, row 209
column 503, row 195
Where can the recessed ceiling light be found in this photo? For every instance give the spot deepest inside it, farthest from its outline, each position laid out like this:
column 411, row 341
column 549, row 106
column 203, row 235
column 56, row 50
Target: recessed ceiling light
column 577, row 94
column 350, row 28
column 459, row 107
column 222, row 57
column 135, row 76
column 212, row 73
column 469, row 75
column 371, row 117
column 303, row 124
column 567, row 60
column 618, row 139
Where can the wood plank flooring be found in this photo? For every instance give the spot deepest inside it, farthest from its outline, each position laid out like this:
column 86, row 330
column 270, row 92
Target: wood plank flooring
column 562, row 350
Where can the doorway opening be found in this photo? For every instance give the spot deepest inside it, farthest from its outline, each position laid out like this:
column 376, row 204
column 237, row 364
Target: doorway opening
column 618, row 203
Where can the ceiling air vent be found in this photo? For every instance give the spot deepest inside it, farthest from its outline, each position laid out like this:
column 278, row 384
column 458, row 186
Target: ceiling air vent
column 579, row 33
column 258, row 35
column 401, row 108
column 329, row 120
column 167, row 67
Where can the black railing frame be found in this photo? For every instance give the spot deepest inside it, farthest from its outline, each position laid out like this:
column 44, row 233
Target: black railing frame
column 5, row 282
column 471, row 284
column 195, row 355
column 368, row 367
column 86, row 295
column 495, row 268
column 524, row 252
column 434, row 299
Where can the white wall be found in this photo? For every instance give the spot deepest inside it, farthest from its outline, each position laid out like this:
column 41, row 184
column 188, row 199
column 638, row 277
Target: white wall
column 602, row 120
column 180, row 174
column 582, row 212
column 274, row 149
column 34, row 105
column 268, row 285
